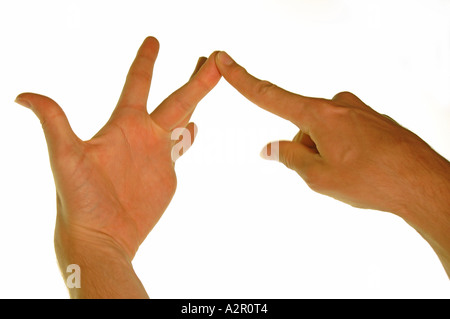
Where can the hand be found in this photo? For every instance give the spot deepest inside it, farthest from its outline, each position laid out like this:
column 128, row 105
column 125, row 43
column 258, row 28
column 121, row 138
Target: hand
column 112, row 189
column 350, row 152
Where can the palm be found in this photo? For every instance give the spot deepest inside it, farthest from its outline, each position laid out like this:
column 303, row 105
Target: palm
column 122, row 181
column 119, row 183
column 135, row 154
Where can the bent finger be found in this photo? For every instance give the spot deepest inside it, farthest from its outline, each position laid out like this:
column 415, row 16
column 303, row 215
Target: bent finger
column 179, row 105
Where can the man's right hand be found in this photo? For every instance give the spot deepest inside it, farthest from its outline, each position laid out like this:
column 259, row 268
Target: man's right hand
column 346, row 150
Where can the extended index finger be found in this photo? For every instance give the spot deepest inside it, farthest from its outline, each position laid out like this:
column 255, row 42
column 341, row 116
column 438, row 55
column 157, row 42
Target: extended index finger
column 268, row 96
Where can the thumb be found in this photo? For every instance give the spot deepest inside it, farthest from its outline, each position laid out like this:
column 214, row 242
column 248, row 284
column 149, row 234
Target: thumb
column 57, row 130
column 295, row 156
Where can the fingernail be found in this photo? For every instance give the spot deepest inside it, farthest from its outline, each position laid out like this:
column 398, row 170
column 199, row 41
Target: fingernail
column 22, row 102
column 224, row 58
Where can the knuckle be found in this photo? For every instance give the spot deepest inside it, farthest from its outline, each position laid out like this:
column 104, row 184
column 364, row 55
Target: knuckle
column 348, row 99
column 141, row 74
column 287, row 157
column 51, row 117
column 265, row 88
column 390, row 118
column 202, row 83
column 344, row 95
column 238, row 72
column 338, row 112
column 182, row 104
column 320, row 110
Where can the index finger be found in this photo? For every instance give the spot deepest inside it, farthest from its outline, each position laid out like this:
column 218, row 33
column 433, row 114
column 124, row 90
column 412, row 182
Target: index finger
column 268, row 96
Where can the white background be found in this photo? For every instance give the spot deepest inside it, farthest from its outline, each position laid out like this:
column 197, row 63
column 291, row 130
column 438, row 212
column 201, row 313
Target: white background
column 238, row 226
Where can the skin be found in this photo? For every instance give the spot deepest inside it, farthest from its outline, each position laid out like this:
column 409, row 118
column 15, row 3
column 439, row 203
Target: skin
column 346, row 150
column 112, row 189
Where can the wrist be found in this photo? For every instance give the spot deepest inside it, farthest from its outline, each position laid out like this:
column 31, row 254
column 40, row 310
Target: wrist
column 427, row 207
column 426, row 191
column 95, row 266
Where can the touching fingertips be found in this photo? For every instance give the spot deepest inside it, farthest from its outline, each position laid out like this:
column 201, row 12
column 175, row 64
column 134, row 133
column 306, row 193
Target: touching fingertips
column 208, row 74
column 224, row 59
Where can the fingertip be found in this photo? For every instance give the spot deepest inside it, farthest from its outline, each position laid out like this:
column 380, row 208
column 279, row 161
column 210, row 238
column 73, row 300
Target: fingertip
column 32, row 100
column 152, row 40
column 149, row 47
column 213, row 55
column 21, row 100
column 208, row 71
column 223, row 59
column 214, row 52
column 214, row 58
